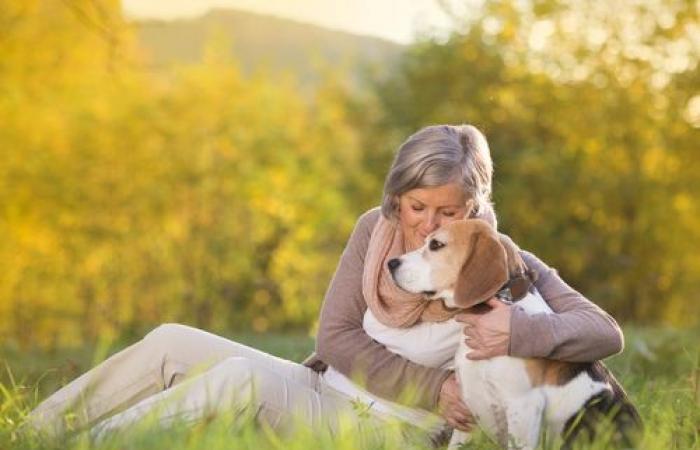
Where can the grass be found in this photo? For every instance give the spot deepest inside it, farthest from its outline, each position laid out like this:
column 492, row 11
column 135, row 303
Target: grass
column 660, row 369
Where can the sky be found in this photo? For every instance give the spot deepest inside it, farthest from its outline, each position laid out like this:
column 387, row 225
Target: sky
column 395, row 20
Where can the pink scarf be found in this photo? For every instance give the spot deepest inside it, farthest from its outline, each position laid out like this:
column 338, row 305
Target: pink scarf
column 391, row 305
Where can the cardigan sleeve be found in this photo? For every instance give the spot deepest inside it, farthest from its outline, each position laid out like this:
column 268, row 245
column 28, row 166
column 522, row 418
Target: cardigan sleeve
column 342, row 342
column 578, row 331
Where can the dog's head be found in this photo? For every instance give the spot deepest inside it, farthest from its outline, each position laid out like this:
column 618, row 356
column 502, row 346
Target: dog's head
column 463, row 263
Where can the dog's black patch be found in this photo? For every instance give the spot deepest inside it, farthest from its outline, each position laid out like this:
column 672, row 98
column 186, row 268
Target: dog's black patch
column 608, row 408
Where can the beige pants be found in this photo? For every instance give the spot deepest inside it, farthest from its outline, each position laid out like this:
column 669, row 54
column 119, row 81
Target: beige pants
column 179, row 372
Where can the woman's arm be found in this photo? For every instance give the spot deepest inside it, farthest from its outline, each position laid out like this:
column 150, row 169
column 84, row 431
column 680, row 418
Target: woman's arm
column 342, row 342
column 578, row 331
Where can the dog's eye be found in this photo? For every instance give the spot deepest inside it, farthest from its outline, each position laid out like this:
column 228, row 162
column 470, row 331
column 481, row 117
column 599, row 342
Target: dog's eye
column 434, row 244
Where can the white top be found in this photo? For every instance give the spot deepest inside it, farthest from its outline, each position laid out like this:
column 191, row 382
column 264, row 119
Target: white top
column 431, row 344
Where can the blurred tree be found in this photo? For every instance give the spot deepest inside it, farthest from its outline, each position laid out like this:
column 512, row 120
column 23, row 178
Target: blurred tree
column 129, row 199
column 54, row 58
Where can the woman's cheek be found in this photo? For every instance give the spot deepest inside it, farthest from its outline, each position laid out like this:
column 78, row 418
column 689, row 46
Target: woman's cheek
column 417, row 219
column 411, row 218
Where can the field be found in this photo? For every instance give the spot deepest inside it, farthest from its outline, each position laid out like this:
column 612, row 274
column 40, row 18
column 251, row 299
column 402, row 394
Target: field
column 660, row 368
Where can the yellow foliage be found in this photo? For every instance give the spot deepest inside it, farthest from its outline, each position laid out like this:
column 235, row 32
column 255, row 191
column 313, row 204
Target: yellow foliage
column 220, row 199
column 134, row 199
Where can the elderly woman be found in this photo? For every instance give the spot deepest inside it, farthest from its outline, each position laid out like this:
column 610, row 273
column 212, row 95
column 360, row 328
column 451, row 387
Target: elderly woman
column 440, row 174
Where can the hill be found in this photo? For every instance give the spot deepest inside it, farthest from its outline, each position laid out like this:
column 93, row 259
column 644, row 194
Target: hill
column 260, row 41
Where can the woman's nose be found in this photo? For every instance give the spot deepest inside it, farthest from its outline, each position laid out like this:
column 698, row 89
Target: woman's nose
column 431, row 223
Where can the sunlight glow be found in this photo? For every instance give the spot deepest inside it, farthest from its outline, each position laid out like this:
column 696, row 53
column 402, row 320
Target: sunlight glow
column 394, row 20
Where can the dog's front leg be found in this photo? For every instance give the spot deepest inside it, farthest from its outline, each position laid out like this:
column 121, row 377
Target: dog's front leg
column 524, row 416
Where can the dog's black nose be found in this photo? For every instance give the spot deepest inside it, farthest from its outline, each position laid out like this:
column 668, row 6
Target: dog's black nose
column 393, row 264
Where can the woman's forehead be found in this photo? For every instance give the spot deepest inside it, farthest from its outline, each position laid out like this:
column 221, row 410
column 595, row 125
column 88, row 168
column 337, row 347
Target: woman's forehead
column 438, row 196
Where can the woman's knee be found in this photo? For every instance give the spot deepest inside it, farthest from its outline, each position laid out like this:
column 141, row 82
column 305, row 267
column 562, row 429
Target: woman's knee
column 167, row 335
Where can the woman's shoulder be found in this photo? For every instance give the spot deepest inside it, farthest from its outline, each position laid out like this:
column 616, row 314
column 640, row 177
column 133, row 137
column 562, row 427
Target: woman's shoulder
column 546, row 274
column 362, row 233
column 369, row 218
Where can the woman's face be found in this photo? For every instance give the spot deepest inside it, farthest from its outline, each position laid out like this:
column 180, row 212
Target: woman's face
column 424, row 210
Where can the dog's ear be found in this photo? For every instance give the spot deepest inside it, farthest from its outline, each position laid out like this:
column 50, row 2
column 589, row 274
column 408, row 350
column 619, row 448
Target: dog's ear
column 516, row 265
column 485, row 269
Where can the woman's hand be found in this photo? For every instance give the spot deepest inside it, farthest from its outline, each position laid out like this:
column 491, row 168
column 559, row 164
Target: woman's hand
column 487, row 329
column 451, row 406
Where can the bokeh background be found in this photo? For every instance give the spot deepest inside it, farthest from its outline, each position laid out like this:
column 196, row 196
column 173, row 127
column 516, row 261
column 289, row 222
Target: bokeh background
column 209, row 169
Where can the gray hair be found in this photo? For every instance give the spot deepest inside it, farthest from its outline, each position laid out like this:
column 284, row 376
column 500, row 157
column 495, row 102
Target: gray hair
column 438, row 155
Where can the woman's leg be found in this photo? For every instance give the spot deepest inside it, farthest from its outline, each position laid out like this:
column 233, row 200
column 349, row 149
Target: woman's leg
column 275, row 392
column 161, row 359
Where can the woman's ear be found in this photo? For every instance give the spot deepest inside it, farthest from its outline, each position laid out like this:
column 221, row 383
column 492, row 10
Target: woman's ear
column 485, row 269
column 469, row 208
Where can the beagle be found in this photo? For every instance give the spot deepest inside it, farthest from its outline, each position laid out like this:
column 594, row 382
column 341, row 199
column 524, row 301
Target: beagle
column 467, row 262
